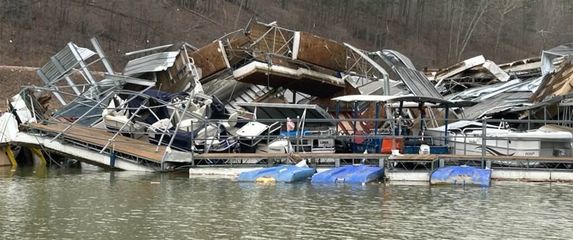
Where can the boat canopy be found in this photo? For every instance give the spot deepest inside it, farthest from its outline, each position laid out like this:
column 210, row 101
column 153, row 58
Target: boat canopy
column 284, row 110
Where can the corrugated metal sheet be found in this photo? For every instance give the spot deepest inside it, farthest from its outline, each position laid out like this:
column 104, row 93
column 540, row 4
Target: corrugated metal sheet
column 63, row 61
column 150, row 63
column 499, row 103
column 417, row 82
column 398, row 59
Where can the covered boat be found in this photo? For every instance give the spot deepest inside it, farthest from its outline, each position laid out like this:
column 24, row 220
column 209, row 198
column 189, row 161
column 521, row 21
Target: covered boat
column 283, row 173
column 462, row 175
column 360, row 174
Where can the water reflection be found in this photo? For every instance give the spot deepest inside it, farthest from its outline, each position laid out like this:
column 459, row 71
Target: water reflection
column 126, row 205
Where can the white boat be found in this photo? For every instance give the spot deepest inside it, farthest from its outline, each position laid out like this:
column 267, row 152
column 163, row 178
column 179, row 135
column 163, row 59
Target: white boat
column 465, row 138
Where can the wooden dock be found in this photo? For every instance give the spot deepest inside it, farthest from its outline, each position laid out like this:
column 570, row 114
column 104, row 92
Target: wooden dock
column 100, row 137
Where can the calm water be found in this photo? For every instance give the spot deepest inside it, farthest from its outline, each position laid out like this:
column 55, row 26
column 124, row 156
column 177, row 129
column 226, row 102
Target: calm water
column 86, row 204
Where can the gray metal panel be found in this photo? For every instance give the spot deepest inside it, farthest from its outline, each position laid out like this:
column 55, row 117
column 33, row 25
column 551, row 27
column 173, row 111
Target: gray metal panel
column 62, row 62
column 151, row 63
column 417, row 83
column 397, row 58
column 501, row 102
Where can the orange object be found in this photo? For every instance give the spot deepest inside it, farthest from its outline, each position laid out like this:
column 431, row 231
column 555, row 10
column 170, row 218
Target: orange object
column 389, row 143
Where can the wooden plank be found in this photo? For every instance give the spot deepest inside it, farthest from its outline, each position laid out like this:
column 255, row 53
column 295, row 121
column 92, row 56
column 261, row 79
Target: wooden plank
column 321, row 51
column 210, row 59
column 100, row 137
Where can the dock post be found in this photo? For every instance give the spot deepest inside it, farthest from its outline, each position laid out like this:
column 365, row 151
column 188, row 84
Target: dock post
column 483, row 141
column 192, row 143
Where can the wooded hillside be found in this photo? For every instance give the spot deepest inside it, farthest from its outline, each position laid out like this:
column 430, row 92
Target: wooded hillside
column 433, row 33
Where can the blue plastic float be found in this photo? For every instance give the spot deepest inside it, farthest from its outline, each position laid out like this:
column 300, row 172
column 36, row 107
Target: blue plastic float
column 359, row 174
column 461, row 175
column 283, row 173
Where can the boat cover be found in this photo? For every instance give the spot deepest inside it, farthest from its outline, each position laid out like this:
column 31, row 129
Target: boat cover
column 463, row 175
column 282, row 173
column 349, row 174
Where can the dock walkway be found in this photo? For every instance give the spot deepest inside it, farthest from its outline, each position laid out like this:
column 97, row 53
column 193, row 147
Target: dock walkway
column 100, row 137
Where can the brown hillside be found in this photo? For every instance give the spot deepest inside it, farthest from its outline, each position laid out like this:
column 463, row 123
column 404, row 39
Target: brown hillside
column 432, row 32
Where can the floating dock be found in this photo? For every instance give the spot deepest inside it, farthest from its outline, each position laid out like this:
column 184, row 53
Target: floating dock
column 93, row 146
column 102, row 148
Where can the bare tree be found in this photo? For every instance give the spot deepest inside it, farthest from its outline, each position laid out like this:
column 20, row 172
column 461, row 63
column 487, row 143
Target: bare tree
column 504, row 7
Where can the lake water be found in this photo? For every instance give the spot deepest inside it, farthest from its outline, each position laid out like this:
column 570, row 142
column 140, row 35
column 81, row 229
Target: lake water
column 87, row 204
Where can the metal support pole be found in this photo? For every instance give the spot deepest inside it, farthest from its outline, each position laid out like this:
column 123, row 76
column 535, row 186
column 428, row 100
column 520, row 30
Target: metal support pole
column 354, row 113
column 102, row 56
column 192, row 141
column 83, row 66
column 483, row 141
column 82, row 116
column 446, row 126
column 376, row 116
column 337, row 115
column 528, row 119
column 174, row 134
column 386, row 84
column 109, row 141
column 166, row 130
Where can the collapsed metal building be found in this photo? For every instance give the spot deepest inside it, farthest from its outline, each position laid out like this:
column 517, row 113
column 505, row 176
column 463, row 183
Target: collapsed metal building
column 231, row 95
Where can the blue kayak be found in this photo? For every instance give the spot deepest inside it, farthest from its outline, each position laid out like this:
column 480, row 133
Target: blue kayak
column 359, row 174
column 462, row 175
column 283, row 173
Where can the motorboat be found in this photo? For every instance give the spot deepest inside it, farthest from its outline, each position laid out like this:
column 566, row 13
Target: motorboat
column 466, row 138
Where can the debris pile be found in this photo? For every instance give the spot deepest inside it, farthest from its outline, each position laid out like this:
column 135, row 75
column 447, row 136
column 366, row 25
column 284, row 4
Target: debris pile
column 232, row 94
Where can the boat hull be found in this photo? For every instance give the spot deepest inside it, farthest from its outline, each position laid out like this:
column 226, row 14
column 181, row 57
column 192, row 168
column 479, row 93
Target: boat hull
column 461, row 175
column 284, row 173
column 360, row 174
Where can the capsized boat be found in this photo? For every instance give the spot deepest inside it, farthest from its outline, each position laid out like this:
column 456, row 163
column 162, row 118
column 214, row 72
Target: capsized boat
column 356, row 174
column 282, row 173
column 461, row 175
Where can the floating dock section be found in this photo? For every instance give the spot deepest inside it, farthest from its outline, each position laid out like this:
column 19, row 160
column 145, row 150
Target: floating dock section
column 93, row 146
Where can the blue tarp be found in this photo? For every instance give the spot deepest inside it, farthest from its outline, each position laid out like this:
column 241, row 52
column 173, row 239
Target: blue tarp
column 283, row 173
column 349, row 174
column 463, row 175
